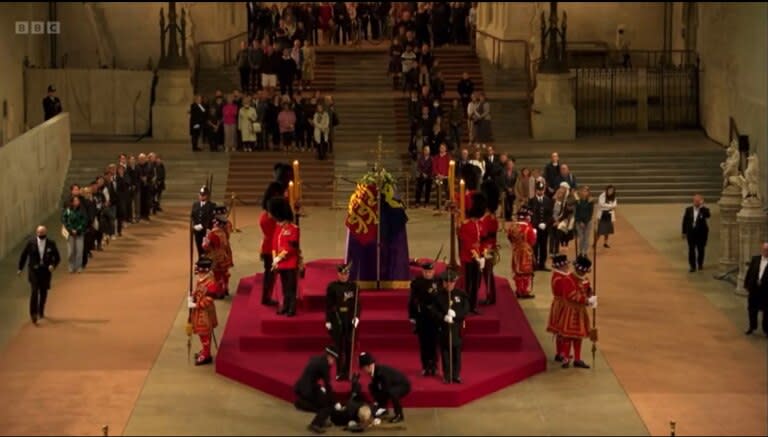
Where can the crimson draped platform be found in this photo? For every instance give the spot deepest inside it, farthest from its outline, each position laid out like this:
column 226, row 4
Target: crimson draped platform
column 268, row 352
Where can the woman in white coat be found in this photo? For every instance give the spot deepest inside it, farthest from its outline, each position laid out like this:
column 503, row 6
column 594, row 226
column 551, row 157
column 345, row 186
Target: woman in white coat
column 321, row 122
column 606, row 204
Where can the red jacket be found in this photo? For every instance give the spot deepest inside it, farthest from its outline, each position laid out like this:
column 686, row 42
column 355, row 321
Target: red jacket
column 440, row 165
column 490, row 226
column 470, row 246
column 286, row 243
column 267, row 225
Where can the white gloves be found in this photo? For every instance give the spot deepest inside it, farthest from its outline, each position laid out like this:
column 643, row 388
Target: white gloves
column 337, row 407
column 275, row 261
column 50, row 268
column 191, row 303
column 198, row 227
column 412, row 321
column 351, row 424
column 452, row 313
column 328, row 325
column 592, row 301
column 197, row 126
column 448, row 319
column 322, row 389
column 542, row 226
column 355, row 322
column 376, row 422
column 480, row 262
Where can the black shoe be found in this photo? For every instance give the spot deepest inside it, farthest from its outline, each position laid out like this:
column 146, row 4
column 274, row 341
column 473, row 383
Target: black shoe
column 749, row 331
column 397, row 419
column 558, row 358
column 526, row 296
column 606, row 246
column 566, row 365
column 692, row 270
column 282, row 311
column 316, row 429
column 580, row 364
column 208, row 360
column 34, row 319
column 457, row 380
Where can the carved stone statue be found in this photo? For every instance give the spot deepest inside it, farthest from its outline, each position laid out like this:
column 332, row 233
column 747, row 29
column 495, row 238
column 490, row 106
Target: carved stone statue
column 730, row 166
column 750, row 181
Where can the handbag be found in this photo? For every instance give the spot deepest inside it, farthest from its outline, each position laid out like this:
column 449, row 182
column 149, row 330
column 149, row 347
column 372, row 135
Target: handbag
column 64, row 232
column 256, row 127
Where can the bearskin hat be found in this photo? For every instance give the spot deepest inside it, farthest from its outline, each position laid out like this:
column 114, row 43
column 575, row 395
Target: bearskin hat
column 279, row 208
column 274, row 189
column 471, row 175
column 492, row 194
column 283, row 173
column 479, row 204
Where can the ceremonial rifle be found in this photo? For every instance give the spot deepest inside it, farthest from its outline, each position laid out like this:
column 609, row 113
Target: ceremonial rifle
column 354, row 316
column 450, row 342
column 189, row 316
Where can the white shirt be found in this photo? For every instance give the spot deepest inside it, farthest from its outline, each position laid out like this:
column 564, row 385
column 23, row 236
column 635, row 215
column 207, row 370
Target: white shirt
column 763, row 264
column 695, row 214
column 202, row 204
column 41, row 250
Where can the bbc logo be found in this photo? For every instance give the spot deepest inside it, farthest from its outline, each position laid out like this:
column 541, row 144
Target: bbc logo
column 38, row 27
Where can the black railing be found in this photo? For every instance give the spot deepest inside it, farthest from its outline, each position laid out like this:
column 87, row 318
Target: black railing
column 614, row 99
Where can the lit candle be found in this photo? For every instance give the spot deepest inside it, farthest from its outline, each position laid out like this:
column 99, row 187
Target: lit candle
column 297, row 179
column 291, row 195
column 451, row 179
column 461, row 201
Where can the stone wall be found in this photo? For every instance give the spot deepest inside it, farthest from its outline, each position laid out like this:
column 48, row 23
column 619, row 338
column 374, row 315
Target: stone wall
column 14, row 48
column 33, row 168
column 731, row 42
column 132, row 29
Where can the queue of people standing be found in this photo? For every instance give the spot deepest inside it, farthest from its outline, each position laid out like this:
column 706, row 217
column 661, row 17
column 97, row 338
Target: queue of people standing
column 94, row 214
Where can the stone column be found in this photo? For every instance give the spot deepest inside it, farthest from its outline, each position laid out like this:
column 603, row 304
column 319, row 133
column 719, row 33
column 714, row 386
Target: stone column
column 730, row 203
column 752, row 224
column 553, row 115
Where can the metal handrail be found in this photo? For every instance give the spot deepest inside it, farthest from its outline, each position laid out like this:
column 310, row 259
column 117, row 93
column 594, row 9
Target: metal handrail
column 226, row 44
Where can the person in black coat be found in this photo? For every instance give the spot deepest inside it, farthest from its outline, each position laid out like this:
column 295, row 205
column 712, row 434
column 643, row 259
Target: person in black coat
column 449, row 308
column 696, row 231
column 312, row 396
column 123, row 183
column 423, row 290
column 51, row 104
column 756, row 283
column 542, row 210
column 387, row 385
column 286, row 73
column 197, row 119
column 202, row 218
column 43, row 257
column 552, row 175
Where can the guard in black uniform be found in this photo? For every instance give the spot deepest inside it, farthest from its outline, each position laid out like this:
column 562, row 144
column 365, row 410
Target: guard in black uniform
column 202, row 218
column 423, row 290
column 314, row 392
column 342, row 317
column 387, row 385
column 449, row 308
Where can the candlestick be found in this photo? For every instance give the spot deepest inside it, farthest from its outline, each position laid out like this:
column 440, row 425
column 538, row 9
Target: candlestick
column 451, row 179
column 291, row 195
column 297, row 179
column 461, row 200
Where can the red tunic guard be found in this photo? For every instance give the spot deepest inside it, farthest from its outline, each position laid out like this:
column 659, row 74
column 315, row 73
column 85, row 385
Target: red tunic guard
column 203, row 310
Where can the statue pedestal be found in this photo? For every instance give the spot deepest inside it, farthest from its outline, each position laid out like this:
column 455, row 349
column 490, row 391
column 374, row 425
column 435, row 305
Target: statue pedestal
column 553, row 116
column 730, row 204
column 752, row 226
column 174, row 94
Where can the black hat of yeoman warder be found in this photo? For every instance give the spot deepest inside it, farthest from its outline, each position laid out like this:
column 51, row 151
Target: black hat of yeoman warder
column 366, row 359
column 582, row 264
column 280, row 209
column 204, row 263
column 219, row 210
column 559, row 260
column 427, row 265
column 331, row 350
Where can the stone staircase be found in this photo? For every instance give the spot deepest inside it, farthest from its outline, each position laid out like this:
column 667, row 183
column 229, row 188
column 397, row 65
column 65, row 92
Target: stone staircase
column 186, row 171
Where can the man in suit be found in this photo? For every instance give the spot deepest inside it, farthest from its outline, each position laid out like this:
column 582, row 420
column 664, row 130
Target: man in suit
column 552, row 175
column 387, row 384
column 51, row 104
column 566, row 176
column 197, row 117
column 314, row 392
column 202, row 218
column 43, row 258
column 541, row 208
column 696, row 230
column 756, row 283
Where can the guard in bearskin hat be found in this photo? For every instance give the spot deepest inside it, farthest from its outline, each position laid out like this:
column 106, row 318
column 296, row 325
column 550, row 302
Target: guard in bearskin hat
column 471, row 248
column 490, row 225
column 285, row 252
column 268, row 225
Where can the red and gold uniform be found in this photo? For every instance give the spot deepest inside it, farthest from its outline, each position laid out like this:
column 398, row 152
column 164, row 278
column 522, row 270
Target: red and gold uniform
column 268, row 226
column 285, row 261
column 573, row 322
column 218, row 250
column 522, row 236
column 203, row 310
column 561, row 282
